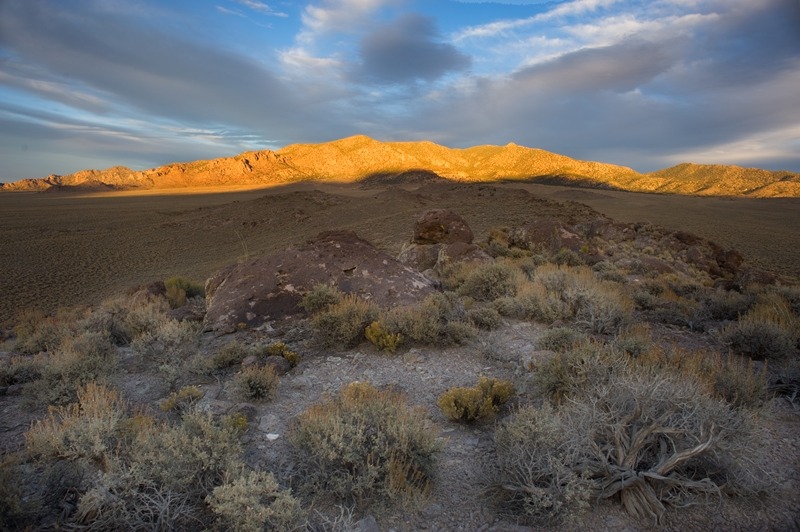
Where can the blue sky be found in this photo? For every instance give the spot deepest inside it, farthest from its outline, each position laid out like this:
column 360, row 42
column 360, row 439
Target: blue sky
column 648, row 84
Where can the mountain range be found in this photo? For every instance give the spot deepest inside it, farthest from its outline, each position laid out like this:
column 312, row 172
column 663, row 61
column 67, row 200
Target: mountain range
column 361, row 158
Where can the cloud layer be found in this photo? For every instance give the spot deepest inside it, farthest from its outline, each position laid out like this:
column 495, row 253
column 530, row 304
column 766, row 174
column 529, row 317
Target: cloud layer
column 648, row 84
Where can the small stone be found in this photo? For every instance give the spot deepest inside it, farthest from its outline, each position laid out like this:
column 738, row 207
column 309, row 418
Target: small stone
column 272, row 436
column 368, row 524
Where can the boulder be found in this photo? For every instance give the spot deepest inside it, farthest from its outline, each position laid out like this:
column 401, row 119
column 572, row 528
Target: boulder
column 441, row 226
column 250, row 294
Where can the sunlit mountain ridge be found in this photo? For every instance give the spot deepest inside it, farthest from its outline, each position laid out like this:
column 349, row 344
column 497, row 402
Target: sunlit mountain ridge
column 360, row 158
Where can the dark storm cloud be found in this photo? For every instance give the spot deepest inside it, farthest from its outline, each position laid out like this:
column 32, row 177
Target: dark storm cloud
column 407, row 50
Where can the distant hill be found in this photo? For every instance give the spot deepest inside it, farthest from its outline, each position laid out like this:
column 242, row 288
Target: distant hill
column 361, row 158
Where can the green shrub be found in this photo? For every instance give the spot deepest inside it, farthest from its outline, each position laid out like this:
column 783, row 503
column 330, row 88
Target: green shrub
column 490, row 281
column 320, row 297
column 480, row 402
column 343, row 324
column 179, row 289
column 364, row 446
column 254, row 502
column 382, row 339
column 256, row 383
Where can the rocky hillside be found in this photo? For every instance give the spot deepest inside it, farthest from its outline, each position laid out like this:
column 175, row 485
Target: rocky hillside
column 362, row 158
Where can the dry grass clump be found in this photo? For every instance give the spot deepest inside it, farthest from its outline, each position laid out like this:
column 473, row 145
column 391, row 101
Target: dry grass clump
column 180, row 289
column 342, row 324
column 634, row 340
column 230, row 354
column 382, row 339
column 438, row 320
column 364, row 446
column 727, row 304
column 320, row 297
column 125, row 318
column 769, row 330
column 477, row 403
column 647, row 436
column 256, row 383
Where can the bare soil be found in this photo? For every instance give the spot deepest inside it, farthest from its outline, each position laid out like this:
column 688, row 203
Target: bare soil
column 60, row 249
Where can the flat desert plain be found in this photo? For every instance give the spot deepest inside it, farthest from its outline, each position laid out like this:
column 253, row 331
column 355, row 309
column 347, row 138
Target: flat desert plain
column 64, row 249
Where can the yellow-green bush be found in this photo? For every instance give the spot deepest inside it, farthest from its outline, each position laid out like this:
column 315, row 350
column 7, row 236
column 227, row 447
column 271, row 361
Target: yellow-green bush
column 280, row 349
column 182, row 400
column 487, row 282
column 364, row 446
column 437, row 320
column 381, row 338
column 479, row 402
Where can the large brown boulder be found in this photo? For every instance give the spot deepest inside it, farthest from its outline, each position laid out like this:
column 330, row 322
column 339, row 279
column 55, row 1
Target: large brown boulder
column 270, row 288
column 441, row 226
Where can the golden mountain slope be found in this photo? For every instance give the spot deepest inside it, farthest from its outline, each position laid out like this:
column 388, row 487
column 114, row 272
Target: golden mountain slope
column 360, row 157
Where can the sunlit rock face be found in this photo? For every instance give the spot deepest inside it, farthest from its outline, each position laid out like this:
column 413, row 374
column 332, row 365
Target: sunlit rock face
column 269, row 288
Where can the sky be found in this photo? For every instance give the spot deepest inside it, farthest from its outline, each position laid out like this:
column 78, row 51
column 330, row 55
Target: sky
column 642, row 83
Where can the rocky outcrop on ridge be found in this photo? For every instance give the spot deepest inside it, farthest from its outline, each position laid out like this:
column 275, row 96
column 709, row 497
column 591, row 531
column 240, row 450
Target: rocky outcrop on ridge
column 269, row 288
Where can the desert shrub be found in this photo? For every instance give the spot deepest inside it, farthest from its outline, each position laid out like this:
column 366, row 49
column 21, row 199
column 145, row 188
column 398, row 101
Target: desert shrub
column 179, row 289
column 182, row 400
column 568, row 257
column 12, row 510
column 652, row 439
column 254, row 502
column 364, row 446
column 486, row 318
column 259, row 383
column 37, row 332
column 438, row 320
column 79, row 360
column 534, row 302
column 477, row 403
column 489, row 281
column 732, row 378
column 229, row 355
column 602, row 307
column 381, row 338
column 561, row 339
column 320, row 297
column 608, row 271
column 86, row 429
column 727, row 304
column 532, row 470
column 22, row 369
column 770, row 330
column 635, row 340
column 343, row 323
column 168, row 346
column 566, row 373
